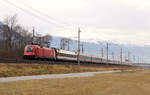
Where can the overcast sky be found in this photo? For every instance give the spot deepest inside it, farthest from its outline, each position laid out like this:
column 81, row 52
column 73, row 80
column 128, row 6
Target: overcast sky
column 119, row 21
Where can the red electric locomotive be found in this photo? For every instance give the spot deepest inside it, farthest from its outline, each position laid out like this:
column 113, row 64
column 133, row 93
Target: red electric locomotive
column 37, row 52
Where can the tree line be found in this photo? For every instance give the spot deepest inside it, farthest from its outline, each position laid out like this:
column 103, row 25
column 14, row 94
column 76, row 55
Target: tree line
column 14, row 37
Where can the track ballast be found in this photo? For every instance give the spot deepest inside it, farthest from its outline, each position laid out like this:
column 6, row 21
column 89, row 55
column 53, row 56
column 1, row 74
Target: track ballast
column 23, row 61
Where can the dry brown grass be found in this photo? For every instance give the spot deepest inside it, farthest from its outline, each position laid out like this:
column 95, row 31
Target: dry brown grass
column 125, row 83
column 10, row 70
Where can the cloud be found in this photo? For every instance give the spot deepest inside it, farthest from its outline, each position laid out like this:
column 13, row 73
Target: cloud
column 119, row 21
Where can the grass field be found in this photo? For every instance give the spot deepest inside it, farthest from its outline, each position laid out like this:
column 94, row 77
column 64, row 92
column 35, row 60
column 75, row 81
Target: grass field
column 124, row 83
column 10, row 70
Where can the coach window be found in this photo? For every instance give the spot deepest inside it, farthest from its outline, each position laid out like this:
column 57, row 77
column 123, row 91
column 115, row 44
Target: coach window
column 67, row 55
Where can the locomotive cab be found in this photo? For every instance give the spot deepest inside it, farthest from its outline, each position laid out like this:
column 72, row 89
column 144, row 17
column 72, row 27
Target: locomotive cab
column 29, row 52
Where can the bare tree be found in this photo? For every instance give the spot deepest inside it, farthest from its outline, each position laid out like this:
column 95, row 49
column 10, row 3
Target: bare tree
column 46, row 40
column 69, row 41
column 11, row 22
column 65, row 43
column 22, row 36
column 14, row 36
column 43, row 40
column 2, row 36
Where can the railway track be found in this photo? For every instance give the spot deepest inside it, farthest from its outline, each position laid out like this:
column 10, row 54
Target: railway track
column 23, row 61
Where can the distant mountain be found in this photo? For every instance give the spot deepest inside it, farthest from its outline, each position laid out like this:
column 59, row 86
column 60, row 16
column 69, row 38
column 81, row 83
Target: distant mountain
column 137, row 53
column 1, row 30
column 1, row 23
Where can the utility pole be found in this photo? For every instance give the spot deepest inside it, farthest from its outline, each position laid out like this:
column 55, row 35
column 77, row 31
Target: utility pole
column 113, row 55
column 68, row 45
column 102, row 52
column 141, row 60
column 33, row 37
column 107, row 50
column 128, row 56
column 138, row 59
column 121, row 56
column 125, row 57
column 133, row 59
column 82, row 48
column 79, row 46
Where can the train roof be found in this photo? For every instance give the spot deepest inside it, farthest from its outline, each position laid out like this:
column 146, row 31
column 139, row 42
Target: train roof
column 37, row 46
column 65, row 51
column 83, row 54
column 32, row 45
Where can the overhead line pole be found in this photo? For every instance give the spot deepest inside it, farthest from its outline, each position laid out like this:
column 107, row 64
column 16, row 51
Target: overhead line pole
column 128, row 56
column 68, row 45
column 138, row 60
column 33, row 35
column 121, row 56
column 133, row 58
column 79, row 46
column 107, row 50
column 82, row 48
column 113, row 55
column 102, row 52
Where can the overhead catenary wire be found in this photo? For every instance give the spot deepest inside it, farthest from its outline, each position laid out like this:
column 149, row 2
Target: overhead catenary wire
column 33, row 14
column 41, row 13
column 38, row 14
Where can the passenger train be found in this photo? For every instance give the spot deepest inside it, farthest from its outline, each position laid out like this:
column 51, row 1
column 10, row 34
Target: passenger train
column 38, row 52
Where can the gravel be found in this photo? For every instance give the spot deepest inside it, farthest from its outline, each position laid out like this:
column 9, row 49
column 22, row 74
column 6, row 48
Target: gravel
column 53, row 76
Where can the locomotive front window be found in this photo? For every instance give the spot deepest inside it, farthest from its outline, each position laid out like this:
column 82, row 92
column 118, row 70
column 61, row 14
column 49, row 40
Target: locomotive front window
column 29, row 49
